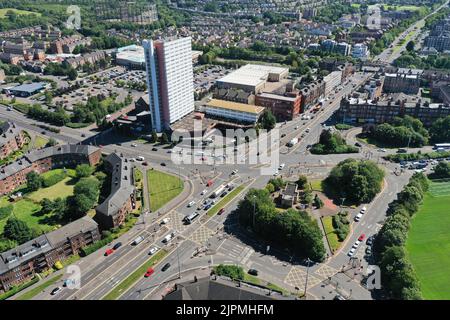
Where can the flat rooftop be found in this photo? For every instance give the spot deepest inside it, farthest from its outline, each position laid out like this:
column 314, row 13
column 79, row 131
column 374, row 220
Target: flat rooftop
column 277, row 96
column 252, row 74
column 235, row 106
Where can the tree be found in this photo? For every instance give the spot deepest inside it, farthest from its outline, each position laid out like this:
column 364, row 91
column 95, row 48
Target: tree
column 357, row 181
column 318, row 203
column 47, row 205
column 410, row 46
column 72, row 74
column 442, row 170
column 270, row 187
column 154, row 136
column 440, row 130
column 268, row 120
column 34, row 181
column 164, row 138
column 17, row 230
column 302, row 181
column 84, row 170
column 86, row 192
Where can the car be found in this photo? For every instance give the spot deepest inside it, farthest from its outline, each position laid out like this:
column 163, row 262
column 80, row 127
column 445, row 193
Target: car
column 307, row 130
column 165, row 267
column 338, row 297
column 168, row 237
column 369, row 241
column 154, row 149
column 207, row 207
column 83, row 135
column 402, row 150
column 363, row 210
column 357, row 144
column 190, row 204
column 145, row 163
column 152, row 250
column 283, row 135
column 223, row 194
column 234, row 172
column 117, row 245
column 358, row 217
column 43, row 132
column 204, row 192
column 8, row 108
column 132, row 159
column 356, row 244
column 149, row 272
column 134, row 145
column 140, row 158
column 362, row 237
column 276, row 173
column 109, row 252
column 281, row 166
column 165, row 221
column 221, row 211
column 369, row 250
column 55, row 291
column 351, row 252
column 253, row 272
column 381, row 150
column 163, row 164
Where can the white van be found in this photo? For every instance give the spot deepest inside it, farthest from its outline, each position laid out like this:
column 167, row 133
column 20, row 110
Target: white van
column 137, row 240
column 168, row 237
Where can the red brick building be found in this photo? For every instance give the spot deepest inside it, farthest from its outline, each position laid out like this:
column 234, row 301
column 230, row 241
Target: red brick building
column 284, row 107
column 40, row 161
column 12, row 138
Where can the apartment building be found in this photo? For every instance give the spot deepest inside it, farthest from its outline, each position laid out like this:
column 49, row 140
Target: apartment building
column 121, row 201
column 43, row 160
column 68, row 44
column 12, row 138
column 170, row 80
column 401, row 82
column 312, row 94
column 378, row 111
column 284, row 107
column 40, row 254
column 91, row 58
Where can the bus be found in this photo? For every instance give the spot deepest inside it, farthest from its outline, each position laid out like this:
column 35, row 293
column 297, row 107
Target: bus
column 442, row 146
column 188, row 219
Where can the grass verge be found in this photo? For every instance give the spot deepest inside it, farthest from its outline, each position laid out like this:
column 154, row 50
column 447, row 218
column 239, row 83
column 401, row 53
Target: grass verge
column 35, row 291
column 135, row 276
column 163, row 188
column 222, row 203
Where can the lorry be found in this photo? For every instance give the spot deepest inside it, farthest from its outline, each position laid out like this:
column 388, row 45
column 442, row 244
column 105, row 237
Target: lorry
column 217, row 192
column 292, row 143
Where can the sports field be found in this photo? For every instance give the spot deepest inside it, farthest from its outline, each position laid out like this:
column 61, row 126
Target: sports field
column 428, row 243
column 4, row 12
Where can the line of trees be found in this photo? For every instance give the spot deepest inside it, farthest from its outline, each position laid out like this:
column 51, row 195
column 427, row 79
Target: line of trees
column 399, row 279
column 402, row 132
column 291, row 229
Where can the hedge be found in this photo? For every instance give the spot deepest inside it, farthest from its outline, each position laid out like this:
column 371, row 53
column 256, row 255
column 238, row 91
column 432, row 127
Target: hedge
column 417, row 156
column 54, row 179
column 95, row 246
column 14, row 290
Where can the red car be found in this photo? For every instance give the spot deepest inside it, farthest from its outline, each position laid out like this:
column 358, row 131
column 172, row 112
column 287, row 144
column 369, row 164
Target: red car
column 221, row 211
column 362, row 237
column 149, row 272
column 108, row 252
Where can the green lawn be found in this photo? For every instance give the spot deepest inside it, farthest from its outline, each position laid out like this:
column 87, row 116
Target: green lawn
column 39, row 142
column 428, row 243
column 316, row 185
column 162, row 187
column 222, row 203
column 27, row 211
column 135, row 276
column 62, row 189
column 35, row 291
column 330, row 234
column 3, row 12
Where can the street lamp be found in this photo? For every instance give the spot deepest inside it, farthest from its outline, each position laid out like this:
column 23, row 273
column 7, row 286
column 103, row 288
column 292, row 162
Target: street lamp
column 254, row 211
